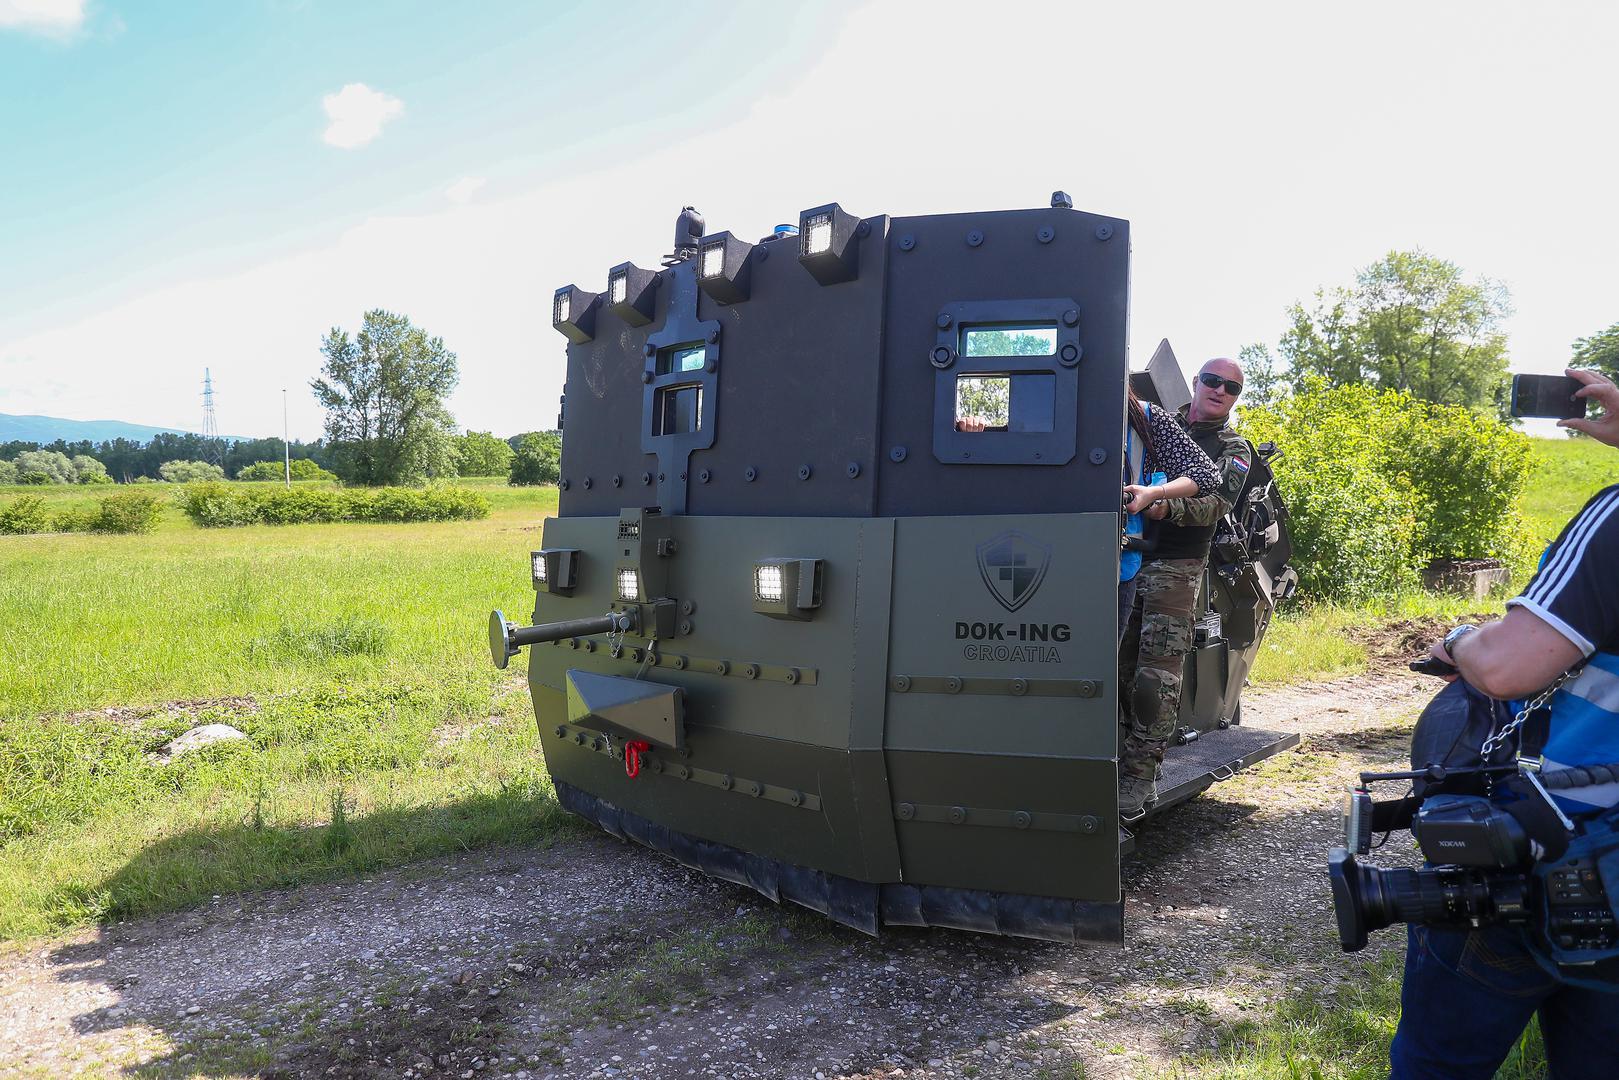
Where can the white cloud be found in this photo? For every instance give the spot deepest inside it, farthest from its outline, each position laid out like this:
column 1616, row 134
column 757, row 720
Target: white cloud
column 461, row 192
column 53, row 18
column 357, row 114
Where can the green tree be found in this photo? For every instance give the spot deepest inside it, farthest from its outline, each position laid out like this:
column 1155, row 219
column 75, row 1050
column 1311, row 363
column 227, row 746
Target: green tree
column 1411, row 322
column 538, row 458
column 87, row 470
column 383, row 391
column 8, row 473
column 1600, row 351
column 54, row 466
column 1262, row 379
column 481, row 454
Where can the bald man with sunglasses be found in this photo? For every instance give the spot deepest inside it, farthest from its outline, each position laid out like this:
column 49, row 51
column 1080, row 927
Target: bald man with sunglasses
column 1152, row 655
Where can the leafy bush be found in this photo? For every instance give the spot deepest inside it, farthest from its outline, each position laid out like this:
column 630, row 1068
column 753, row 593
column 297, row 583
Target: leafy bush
column 189, row 472
column 1379, row 483
column 24, row 514
column 215, row 505
column 127, row 512
column 8, row 473
column 36, row 478
column 302, row 469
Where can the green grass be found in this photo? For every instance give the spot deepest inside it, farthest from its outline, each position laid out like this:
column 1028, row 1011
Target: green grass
column 352, row 656
column 1342, row 1035
column 1566, row 472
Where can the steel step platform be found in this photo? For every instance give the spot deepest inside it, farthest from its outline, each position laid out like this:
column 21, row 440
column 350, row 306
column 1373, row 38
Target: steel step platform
column 1213, row 757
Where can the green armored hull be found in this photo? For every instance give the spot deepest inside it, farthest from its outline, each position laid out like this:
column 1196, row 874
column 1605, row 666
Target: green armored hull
column 795, row 629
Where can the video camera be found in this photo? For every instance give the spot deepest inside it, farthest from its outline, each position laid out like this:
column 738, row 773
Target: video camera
column 1502, row 854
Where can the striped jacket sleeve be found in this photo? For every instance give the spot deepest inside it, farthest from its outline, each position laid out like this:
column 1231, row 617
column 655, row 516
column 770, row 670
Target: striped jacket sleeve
column 1576, row 589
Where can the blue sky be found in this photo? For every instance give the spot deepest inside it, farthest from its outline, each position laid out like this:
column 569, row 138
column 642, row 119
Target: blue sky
column 174, row 195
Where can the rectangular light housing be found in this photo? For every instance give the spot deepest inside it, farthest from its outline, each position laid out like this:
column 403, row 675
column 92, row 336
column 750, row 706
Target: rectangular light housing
column 631, row 292
column 556, row 570
column 829, row 244
column 573, row 313
column 724, row 265
column 788, row 588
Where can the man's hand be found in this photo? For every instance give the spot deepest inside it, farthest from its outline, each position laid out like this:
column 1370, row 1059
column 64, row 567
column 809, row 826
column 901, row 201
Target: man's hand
column 971, row 423
column 1438, row 653
column 1600, row 389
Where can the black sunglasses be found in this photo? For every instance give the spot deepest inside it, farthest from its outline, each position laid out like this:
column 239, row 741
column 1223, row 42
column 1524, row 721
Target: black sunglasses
column 1211, row 380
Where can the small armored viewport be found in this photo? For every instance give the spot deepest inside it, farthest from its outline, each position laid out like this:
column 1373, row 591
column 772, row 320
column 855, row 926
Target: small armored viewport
column 827, row 609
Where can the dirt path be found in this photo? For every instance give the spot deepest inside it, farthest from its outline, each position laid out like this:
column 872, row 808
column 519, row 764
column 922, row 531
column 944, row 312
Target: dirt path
column 596, row 958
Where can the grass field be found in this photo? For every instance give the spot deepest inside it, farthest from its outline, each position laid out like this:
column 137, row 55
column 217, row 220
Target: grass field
column 353, row 658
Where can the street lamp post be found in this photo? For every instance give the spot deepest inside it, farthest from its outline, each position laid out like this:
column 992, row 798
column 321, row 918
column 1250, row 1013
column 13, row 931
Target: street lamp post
column 286, row 447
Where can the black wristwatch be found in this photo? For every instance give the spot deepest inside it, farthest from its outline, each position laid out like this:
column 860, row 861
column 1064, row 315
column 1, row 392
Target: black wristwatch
column 1456, row 635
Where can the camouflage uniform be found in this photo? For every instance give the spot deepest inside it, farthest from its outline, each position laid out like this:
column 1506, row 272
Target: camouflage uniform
column 1152, row 655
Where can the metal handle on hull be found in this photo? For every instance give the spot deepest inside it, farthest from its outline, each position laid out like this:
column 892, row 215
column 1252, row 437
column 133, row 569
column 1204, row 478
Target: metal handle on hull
column 506, row 637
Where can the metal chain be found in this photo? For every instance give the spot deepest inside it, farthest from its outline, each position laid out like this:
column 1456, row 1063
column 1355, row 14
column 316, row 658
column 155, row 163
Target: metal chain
column 1497, row 739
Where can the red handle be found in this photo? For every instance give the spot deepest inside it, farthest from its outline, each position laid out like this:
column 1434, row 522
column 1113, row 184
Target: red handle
column 632, row 757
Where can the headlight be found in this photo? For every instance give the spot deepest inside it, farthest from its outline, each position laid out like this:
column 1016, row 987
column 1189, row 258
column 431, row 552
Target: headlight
column 629, row 584
column 788, row 588
column 767, row 583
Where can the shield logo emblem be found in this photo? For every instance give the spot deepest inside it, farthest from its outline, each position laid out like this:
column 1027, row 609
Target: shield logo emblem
column 1013, row 564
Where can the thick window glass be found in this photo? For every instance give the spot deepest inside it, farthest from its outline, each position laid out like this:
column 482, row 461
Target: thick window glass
column 679, row 410
column 681, row 358
column 1027, row 340
column 1006, row 402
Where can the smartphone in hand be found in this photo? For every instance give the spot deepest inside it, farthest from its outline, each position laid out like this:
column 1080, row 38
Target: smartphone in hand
column 1547, row 395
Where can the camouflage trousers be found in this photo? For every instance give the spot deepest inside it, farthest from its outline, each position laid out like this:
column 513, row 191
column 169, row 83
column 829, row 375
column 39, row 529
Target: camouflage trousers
column 1152, row 657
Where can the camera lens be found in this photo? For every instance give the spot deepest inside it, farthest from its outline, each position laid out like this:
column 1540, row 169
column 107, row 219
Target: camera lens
column 1367, row 898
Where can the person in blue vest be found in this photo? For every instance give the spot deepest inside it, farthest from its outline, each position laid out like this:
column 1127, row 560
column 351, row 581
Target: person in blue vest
column 1468, row 994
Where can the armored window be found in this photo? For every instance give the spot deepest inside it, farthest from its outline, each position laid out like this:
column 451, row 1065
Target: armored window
column 678, row 410
column 1006, row 385
column 1007, row 402
column 1009, row 340
column 681, row 358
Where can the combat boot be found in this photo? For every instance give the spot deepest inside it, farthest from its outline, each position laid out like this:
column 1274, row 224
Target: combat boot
column 1136, row 796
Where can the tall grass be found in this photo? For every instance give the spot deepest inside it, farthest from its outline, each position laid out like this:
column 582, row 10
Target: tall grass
column 353, row 657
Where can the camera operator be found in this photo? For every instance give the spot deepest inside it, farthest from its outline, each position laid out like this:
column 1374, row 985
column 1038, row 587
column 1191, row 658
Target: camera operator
column 1469, row 993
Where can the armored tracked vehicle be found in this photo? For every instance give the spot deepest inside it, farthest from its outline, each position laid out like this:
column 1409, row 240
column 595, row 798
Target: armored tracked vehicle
column 795, row 629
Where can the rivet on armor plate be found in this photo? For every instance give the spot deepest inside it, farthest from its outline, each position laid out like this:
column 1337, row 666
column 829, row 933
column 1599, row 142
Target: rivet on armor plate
column 1022, row 819
column 905, row 811
column 958, row 814
column 1089, row 824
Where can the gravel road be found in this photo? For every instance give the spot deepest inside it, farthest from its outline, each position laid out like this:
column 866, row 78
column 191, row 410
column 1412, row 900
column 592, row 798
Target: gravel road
column 592, row 958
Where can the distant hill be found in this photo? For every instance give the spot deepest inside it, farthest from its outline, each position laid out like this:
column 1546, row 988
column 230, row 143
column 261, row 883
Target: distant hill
column 45, row 429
